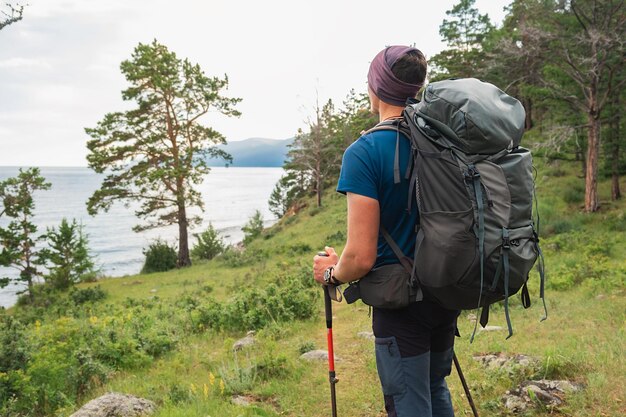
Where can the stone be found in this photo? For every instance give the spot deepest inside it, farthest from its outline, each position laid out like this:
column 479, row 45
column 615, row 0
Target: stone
column 115, row 404
column 491, row 329
column 249, row 340
column 366, row 335
column 240, row 400
column 154, row 290
column 549, row 393
column 471, row 317
column 317, row 355
column 503, row 361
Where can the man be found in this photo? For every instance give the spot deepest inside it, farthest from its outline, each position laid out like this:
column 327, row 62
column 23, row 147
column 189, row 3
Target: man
column 413, row 344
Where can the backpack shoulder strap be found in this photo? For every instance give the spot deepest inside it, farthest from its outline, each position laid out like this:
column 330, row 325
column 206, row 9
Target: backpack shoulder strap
column 399, row 126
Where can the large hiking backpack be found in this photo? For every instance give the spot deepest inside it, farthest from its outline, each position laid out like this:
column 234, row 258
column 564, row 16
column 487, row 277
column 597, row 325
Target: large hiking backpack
column 474, row 188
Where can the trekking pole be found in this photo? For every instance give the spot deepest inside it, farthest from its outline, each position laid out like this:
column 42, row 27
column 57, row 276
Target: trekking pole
column 331, row 355
column 465, row 387
column 329, row 339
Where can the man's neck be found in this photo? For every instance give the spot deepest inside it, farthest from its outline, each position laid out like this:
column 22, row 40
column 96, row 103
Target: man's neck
column 388, row 111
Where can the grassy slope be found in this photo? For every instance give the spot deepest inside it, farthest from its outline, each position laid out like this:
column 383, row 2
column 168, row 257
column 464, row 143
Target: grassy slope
column 584, row 338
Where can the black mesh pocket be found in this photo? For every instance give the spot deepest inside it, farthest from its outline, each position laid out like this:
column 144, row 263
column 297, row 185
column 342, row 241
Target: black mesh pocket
column 440, row 183
column 448, row 249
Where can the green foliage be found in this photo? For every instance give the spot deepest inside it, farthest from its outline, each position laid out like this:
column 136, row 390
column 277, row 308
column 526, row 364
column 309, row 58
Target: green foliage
column 584, row 259
column 160, row 256
column 14, row 347
column 67, row 256
column 239, row 377
column 464, row 34
column 87, row 295
column 575, row 193
column 287, row 191
column 17, row 239
column 314, row 158
column 255, row 308
column 236, row 257
column 156, row 154
column 253, row 228
column 209, row 245
column 306, row 347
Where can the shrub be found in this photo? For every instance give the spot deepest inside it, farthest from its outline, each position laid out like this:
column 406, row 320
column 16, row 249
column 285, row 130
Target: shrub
column 299, row 249
column 92, row 294
column 272, row 366
column 160, row 256
column 67, row 256
column 255, row 308
column 306, row 347
column 253, row 228
column 237, row 377
column 234, row 257
column 14, row 349
column 574, row 194
column 209, row 244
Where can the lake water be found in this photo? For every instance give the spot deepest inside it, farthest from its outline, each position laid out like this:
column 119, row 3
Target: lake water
column 231, row 196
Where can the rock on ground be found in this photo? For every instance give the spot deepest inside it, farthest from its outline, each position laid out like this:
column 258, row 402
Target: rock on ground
column 501, row 360
column 115, row 404
column 241, row 400
column 246, row 341
column 317, row 355
column 549, row 393
column 491, row 329
column 366, row 335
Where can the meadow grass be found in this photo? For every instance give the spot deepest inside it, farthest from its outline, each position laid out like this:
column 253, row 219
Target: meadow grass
column 583, row 339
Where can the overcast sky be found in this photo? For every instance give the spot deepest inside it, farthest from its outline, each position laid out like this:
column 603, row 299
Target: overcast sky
column 59, row 66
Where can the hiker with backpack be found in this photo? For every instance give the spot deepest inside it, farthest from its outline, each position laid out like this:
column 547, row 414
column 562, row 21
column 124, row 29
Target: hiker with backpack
column 440, row 219
column 413, row 340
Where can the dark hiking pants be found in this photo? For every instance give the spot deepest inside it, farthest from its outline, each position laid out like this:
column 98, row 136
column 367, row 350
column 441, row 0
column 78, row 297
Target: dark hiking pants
column 413, row 357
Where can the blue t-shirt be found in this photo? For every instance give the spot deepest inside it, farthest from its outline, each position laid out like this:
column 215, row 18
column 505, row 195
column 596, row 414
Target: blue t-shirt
column 367, row 169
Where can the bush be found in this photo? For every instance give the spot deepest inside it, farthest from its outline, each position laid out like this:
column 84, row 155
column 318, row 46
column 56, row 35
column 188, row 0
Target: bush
column 160, row 256
column 67, row 256
column 86, row 295
column 255, row 308
column 209, row 244
column 234, row 257
column 574, row 194
column 253, row 228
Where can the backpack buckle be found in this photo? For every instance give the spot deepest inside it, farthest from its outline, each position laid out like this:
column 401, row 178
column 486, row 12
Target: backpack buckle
column 506, row 243
column 471, row 174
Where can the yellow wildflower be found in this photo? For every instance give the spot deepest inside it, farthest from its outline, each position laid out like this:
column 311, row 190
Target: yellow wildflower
column 211, row 378
column 205, row 388
column 37, row 325
column 93, row 320
column 193, row 388
column 222, row 386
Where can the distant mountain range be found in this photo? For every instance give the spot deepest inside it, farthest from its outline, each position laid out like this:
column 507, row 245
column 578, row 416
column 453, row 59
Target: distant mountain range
column 255, row 152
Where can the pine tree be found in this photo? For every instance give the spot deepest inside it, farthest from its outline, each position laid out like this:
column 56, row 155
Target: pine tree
column 67, row 255
column 156, row 154
column 18, row 239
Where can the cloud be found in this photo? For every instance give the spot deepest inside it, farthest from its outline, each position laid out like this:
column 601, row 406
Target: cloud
column 25, row 63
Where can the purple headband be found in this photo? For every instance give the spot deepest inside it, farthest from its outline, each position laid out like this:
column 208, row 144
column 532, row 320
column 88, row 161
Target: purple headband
column 384, row 83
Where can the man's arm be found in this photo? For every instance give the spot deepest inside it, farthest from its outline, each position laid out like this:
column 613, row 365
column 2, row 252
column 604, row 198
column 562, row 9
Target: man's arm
column 359, row 255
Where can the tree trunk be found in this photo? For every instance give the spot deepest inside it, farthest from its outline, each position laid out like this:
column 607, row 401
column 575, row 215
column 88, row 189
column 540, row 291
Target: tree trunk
column 528, row 106
column 616, row 194
column 183, row 238
column 318, row 180
column 591, row 176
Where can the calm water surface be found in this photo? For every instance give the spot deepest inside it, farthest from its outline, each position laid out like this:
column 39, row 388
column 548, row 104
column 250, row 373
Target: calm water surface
column 231, row 196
